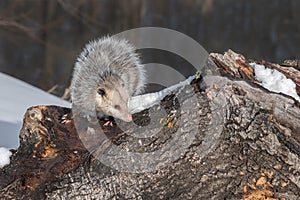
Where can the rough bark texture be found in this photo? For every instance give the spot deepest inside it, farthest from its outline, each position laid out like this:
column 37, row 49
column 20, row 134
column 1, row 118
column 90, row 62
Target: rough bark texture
column 227, row 139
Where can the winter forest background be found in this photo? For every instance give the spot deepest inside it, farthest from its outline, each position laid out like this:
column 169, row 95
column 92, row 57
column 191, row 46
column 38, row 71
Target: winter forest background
column 40, row 39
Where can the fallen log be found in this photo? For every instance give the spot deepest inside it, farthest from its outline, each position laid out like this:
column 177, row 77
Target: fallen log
column 223, row 137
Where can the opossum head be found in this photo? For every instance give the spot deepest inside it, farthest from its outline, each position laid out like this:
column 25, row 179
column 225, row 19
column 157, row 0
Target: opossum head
column 112, row 98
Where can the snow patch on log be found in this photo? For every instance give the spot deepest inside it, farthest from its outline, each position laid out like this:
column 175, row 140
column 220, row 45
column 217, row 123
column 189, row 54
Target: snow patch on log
column 275, row 81
column 142, row 102
column 4, row 156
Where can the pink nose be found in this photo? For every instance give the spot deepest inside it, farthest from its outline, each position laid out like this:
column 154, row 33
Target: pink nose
column 129, row 118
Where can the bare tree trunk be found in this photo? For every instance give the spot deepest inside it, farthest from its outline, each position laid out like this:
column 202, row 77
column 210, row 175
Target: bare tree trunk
column 224, row 138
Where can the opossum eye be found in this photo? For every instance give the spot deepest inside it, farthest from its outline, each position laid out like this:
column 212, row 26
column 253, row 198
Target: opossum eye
column 101, row 91
column 117, row 107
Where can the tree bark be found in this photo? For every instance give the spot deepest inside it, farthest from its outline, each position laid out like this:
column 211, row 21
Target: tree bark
column 224, row 138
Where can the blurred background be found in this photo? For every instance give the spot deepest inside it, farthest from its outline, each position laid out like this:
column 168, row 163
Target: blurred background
column 40, row 39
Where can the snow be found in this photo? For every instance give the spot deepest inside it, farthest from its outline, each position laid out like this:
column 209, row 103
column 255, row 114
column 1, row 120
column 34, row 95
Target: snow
column 4, row 156
column 275, row 81
column 15, row 97
column 142, row 102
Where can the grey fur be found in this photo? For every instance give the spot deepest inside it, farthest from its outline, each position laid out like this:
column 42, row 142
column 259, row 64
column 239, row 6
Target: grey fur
column 111, row 63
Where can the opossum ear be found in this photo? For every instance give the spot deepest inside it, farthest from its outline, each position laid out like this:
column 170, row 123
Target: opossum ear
column 101, row 91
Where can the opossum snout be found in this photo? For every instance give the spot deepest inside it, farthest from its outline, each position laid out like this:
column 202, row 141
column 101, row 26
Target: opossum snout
column 122, row 113
column 128, row 118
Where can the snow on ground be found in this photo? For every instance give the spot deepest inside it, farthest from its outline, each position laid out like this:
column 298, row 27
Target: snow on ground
column 142, row 102
column 15, row 97
column 275, row 81
column 4, row 156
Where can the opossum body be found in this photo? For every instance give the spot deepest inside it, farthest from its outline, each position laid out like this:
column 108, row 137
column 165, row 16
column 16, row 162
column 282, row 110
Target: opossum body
column 106, row 74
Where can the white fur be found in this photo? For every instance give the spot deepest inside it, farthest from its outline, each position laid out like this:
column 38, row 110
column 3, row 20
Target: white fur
column 99, row 58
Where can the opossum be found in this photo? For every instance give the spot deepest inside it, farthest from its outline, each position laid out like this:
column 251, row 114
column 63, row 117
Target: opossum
column 107, row 73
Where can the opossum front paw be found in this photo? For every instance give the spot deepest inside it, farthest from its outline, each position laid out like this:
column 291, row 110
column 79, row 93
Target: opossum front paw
column 66, row 119
column 108, row 123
